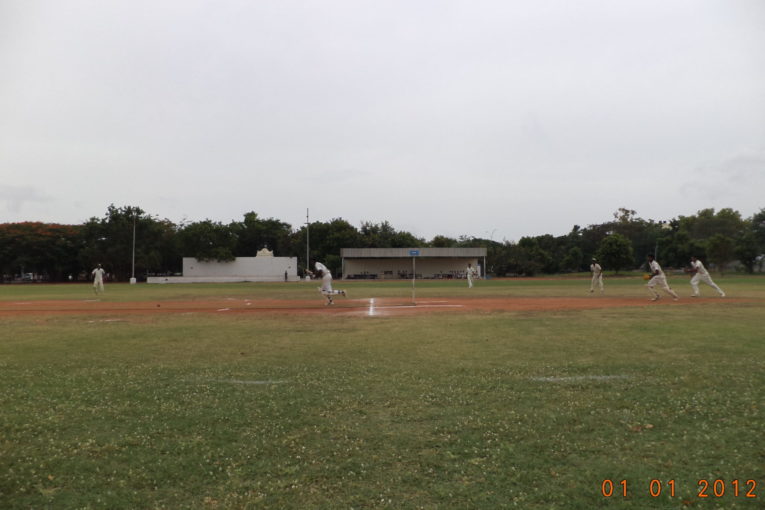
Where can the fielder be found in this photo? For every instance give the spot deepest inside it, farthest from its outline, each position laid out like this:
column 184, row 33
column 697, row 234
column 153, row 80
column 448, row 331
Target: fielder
column 658, row 278
column 700, row 274
column 98, row 279
column 470, row 273
column 326, row 282
column 597, row 276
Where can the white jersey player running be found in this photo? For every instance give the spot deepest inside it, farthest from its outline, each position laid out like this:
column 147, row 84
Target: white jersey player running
column 659, row 279
column 700, row 274
column 326, row 283
column 597, row 275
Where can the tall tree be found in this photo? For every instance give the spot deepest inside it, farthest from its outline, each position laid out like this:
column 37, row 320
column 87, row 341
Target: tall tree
column 48, row 250
column 720, row 250
column 615, row 252
column 443, row 242
column 746, row 250
column 207, row 240
column 706, row 223
column 253, row 234
column 326, row 241
column 109, row 241
column 757, row 227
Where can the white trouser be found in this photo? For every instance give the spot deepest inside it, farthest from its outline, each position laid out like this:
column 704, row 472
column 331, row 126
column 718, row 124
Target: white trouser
column 661, row 281
column 470, row 280
column 98, row 285
column 706, row 279
column 326, row 286
column 597, row 279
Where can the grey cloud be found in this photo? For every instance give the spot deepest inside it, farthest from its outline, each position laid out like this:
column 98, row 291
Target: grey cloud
column 13, row 198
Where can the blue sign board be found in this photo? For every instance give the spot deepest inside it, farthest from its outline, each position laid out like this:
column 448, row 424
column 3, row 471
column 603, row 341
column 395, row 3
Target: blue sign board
column 414, row 253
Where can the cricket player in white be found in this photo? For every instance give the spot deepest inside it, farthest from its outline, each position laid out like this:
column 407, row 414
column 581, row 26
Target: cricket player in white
column 470, row 273
column 700, row 274
column 98, row 279
column 597, row 275
column 658, row 278
column 326, row 283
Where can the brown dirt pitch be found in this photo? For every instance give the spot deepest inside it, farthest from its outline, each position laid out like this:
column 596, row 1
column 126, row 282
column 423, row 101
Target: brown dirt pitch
column 366, row 307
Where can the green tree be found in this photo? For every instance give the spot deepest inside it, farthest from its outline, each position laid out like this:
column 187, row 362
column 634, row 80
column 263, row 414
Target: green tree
column 573, row 260
column 757, row 227
column 615, row 252
column 676, row 248
column 326, row 241
column 522, row 258
column 706, row 223
column 443, row 242
column 109, row 241
column 746, row 250
column 527, row 257
column 208, row 240
column 253, row 234
column 46, row 249
column 383, row 235
column 720, row 250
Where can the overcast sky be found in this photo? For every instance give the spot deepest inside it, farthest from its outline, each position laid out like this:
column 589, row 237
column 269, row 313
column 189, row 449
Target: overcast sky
column 482, row 118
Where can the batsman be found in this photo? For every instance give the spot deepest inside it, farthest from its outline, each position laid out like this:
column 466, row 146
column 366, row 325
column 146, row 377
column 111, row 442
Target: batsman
column 326, row 282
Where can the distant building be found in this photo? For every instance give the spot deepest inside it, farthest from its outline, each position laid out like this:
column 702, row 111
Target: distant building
column 393, row 263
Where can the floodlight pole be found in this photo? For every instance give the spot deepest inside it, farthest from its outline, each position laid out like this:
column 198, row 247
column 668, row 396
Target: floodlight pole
column 307, row 242
column 132, row 270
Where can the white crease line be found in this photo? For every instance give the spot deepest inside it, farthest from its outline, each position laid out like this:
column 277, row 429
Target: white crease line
column 224, row 309
column 422, row 306
column 580, row 378
column 238, row 381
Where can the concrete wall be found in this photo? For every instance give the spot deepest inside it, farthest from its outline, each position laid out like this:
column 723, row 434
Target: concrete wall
column 242, row 269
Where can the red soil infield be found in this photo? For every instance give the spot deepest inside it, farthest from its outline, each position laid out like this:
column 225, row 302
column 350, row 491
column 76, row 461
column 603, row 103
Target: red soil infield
column 366, row 307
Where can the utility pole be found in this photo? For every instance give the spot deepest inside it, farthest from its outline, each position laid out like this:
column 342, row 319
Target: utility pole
column 132, row 270
column 307, row 242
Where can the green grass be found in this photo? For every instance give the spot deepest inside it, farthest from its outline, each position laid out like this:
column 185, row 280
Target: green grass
column 617, row 286
column 484, row 410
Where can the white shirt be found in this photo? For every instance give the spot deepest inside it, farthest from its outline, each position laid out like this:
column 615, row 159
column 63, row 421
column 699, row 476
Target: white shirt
column 699, row 267
column 321, row 267
column 99, row 274
column 656, row 267
column 596, row 269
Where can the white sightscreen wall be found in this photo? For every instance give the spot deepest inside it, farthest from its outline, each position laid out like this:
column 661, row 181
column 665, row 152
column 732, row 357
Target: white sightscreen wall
column 242, row 269
column 271, row 267
column 427, row 267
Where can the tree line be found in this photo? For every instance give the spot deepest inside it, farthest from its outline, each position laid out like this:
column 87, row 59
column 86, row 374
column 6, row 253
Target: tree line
column 57, row 252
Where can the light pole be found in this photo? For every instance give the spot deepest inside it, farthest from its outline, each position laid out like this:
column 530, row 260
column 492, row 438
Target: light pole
column 664, row 225
column 307, row 242
column 132, row 270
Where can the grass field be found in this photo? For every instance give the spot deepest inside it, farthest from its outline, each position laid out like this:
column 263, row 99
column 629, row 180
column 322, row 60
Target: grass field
column 442, row 410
